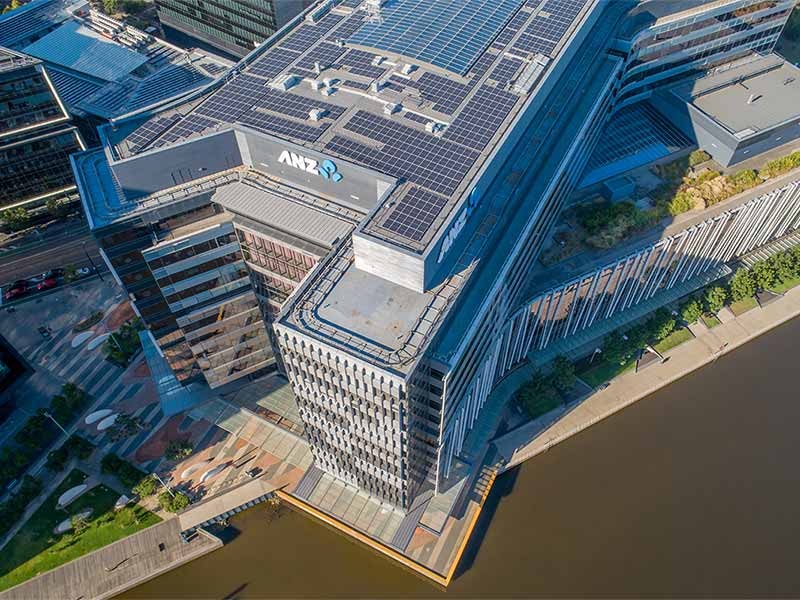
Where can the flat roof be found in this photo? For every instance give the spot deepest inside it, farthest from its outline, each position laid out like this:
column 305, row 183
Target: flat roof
column 394, row 113
column 748, row 99
column 282, row 212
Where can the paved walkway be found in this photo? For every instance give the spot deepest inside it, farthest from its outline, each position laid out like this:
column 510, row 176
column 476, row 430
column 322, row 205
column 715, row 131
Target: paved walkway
column 537, row 436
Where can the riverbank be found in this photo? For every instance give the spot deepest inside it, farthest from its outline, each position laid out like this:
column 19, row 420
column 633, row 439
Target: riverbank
column 708, row 345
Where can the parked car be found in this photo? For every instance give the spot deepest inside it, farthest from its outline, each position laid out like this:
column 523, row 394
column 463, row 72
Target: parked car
column 254, row 472
column 83, row 271
column 17, row 289
column 47, row 284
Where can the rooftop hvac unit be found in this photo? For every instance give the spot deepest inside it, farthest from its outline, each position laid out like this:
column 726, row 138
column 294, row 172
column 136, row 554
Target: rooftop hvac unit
column 390, row 108
column 376, row 61
column 315, row 15
column 316, row 114
column 327, row 91
column 376, row 86
column 284, row 82
column 316, row 85
column 408, row 68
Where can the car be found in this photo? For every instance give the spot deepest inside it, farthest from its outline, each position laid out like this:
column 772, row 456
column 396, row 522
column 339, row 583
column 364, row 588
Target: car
column 83, row 271
column 47, row 284
column 254, row 472
column 17, row 289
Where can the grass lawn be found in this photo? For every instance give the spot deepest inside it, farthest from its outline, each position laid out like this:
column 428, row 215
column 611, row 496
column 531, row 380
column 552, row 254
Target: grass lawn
column 710, row 321
column 742, row 306
column 602, row 371
column 675, row 338
column 36, row 549
column 784, row 287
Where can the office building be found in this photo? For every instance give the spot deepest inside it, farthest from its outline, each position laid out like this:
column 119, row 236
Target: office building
column 389, row 192
column 235, row 26
column 102, row 68
column 36, row 135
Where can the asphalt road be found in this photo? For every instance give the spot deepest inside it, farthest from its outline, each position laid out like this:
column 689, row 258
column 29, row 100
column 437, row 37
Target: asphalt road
column 50, row 253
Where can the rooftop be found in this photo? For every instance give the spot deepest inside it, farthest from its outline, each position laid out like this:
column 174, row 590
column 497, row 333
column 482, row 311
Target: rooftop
column 102, row 66
column 747, row 99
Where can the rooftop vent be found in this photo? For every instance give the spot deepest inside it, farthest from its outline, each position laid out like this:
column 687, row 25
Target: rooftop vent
column 408, row 68
column 390, row 108
column 316, row 114
column 315, row 15
column 327, row 91
column 753, row 98
column 376, row 86
column 378, row 60
column 316, row 85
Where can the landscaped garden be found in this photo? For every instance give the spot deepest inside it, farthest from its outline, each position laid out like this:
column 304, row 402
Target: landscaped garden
column 122, row 345
column 39, row 431
column 36, row 548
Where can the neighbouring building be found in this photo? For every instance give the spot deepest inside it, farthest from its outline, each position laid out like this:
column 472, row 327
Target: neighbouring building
column 235, row 26
column 36, row 135
column 377, row 190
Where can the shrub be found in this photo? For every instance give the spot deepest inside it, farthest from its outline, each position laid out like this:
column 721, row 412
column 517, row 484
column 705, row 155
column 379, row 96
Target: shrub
column 697, row 157
column 173, row 503
column 742, row 285
column 16, row 218
column 744, row 180
column 13, row 508
column 123, row 344
column 691, row 311
column 661, row 325
column 682, row 202
column 715, row 298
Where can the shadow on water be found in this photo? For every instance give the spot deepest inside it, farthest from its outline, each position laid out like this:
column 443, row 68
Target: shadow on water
column 503, row 486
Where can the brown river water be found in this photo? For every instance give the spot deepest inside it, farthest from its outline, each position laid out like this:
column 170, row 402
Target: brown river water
column 693, row 491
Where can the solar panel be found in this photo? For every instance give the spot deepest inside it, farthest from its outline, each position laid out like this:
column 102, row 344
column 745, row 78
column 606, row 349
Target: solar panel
column 324, row 53
column 188, row 126
column 451, row 35
column 273, row 62
column 446, row 94
column 510, row 29
column 233, row 99
column 359, row 62
column 414, row 214
column 355, row 84
column 293, row 105
column 343, row 31
column 148, row 131
column 481, row 118
column 505, row 70
column 281, row 126
column 415, row 117
column 405, row 152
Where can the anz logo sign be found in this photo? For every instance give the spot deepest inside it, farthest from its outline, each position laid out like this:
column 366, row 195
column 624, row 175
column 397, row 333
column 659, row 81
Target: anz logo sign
column 325, row 169
column 458, row 224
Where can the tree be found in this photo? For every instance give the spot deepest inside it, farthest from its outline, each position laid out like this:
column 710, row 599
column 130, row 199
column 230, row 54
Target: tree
column 697, row 157
column 691, row 311
column 79, row 523
column 178, row 449
column 57, row 207
column 70, row 273
column 617, row 349
column 742, row 284
column 715, row 298
column 15, row 4
column 764, row 274
column 173, row 503
column 111, row 6
column 562, row 377
column 146, row 487
column 16, row 218
column 682, row 202
column 783, row 265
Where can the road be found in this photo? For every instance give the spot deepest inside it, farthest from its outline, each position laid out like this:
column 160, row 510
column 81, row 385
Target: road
column 57, row 251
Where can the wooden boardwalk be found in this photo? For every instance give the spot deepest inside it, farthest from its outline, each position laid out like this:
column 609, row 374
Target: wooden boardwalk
column 118, row 566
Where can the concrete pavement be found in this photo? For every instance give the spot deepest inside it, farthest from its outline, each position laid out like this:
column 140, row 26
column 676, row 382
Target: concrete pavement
column 539, row 435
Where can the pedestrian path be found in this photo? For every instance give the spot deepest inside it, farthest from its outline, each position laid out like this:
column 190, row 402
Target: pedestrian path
column 86, row 368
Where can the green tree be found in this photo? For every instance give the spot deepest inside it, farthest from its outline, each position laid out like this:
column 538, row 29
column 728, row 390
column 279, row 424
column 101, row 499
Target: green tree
column 691, row 311
column 765, row 274
column 111, row 6
column 79, row 524
column 562, row 377
column 15, row 4
column 16, row 218
column 57, row 207
column 146, row 487
column 174, row 503
column 715, row 298
column 178, row 449
column 742, row 284
column 783, row 265
column 70, row 273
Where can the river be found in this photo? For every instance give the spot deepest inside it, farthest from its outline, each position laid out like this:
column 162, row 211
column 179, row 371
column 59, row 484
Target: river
column 692, row 491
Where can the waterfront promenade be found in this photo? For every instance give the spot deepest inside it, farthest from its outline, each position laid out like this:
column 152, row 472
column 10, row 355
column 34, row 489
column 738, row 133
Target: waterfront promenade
column 541, row 434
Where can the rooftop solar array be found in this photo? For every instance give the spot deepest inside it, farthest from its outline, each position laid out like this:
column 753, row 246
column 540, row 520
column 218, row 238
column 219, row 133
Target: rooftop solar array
column 150, row 130
column 470, row 106
column 414, row 214
column 450, row 35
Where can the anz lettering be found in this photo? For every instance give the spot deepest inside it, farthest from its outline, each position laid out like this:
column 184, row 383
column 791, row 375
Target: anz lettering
column 326, row 169
column 458, row 224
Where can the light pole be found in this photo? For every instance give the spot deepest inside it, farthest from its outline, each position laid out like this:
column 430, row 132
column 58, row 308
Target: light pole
column 53, row 419
column 171, row 493
column 91, row 262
